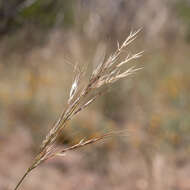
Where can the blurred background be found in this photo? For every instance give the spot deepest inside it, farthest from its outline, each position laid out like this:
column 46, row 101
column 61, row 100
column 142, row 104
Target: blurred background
column 38, row 38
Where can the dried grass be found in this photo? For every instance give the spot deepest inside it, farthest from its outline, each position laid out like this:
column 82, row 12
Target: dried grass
column 107, row 72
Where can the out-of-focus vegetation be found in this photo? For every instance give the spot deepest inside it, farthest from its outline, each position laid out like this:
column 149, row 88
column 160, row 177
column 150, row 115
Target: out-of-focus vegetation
column 183, row 10
column 16, row 14
column 40, row 38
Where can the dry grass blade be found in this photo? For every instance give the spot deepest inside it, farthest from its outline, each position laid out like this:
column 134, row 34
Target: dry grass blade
column 107, row 72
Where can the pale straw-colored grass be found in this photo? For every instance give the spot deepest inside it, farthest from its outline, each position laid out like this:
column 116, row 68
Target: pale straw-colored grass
column 107, row 72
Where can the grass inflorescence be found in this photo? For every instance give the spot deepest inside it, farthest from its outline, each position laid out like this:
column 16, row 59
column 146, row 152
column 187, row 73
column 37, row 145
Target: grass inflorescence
column 107, row 72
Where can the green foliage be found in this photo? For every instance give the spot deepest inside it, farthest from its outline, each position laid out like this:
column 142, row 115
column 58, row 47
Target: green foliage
column 45, row 12
column 183, row 10
column 40, row 13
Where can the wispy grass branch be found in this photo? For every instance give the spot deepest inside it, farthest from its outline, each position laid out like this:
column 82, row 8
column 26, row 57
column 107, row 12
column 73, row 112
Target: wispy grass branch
column 107, row 72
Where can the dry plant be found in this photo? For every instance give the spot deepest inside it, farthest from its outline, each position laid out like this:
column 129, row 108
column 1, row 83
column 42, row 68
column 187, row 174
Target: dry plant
column 107, row 72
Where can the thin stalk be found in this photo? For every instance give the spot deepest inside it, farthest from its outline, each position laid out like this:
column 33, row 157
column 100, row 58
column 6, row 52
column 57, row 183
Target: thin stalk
column 23, row 177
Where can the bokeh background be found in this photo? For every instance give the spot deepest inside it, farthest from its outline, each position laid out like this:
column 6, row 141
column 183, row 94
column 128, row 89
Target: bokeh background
column 38, row 40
